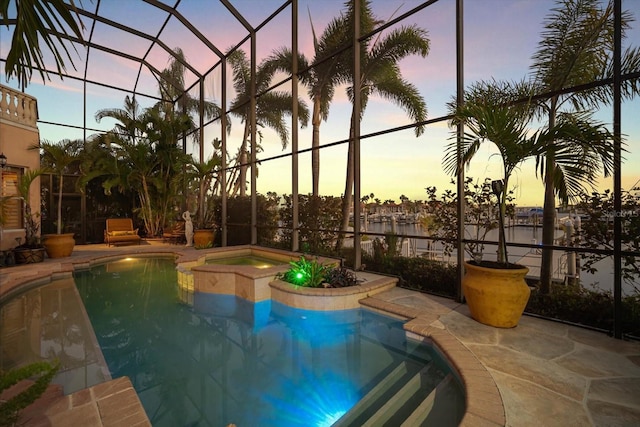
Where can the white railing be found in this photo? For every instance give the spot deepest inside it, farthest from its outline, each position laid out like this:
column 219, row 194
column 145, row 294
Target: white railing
column 367, row 246
column 18, row 107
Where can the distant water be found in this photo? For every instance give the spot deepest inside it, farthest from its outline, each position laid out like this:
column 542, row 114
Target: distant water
column 602, row 279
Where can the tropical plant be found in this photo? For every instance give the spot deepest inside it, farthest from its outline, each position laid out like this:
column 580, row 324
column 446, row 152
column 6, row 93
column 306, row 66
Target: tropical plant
column 127, row 126
column 317, row 218
column 151, row 168
column 43, row 373
column 177, row 100
column 576, row 48
column 59, row 158
column 201, row 174
column 304, row 272
column 581, row 146
column 480, row 215
column 49, row 22
column 270, row 109
column 31, row 220
column 142, row 154
column 341, row 277
column 380, row 75
column 313, row 274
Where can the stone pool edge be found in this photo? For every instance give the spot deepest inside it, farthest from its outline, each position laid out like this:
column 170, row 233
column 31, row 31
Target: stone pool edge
column 484, row 404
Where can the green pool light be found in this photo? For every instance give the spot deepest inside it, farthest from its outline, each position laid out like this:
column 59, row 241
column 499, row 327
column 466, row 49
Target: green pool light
column 299, row 276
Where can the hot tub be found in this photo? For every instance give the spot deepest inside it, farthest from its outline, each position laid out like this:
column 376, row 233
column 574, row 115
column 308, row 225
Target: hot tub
column 244, row 271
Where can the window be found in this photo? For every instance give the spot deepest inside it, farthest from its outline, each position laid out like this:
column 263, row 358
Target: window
column 13, row 206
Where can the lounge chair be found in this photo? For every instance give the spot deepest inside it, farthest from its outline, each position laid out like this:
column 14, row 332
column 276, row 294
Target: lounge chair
column 120, row 230
column 175, row 235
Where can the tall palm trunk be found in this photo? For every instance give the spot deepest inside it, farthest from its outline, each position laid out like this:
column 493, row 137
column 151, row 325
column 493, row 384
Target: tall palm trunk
column 315, row 146
column 347, row 198
column 549, row 210
column 502, row 206
column 242, row 180
column 147, row 211
column 60, row 204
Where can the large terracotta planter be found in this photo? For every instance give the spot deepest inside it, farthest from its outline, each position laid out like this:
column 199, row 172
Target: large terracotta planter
column 495, row 296
column 29, row 255
column 58, row 245
column 203, row 238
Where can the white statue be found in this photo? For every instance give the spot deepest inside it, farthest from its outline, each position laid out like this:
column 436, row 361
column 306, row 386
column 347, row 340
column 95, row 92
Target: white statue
column 188, row 228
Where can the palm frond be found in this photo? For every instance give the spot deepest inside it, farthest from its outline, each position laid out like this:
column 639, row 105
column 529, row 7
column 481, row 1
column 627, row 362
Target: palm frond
column 406, row 95
column 47, row 21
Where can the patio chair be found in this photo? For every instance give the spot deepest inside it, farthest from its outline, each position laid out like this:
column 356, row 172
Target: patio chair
column 175, row 235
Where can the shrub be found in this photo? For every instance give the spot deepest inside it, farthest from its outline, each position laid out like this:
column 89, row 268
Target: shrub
column 239, row 219
column 586, row 307
column 419, row 274
column 318, row 217
column 341, row 277
column 41, row 372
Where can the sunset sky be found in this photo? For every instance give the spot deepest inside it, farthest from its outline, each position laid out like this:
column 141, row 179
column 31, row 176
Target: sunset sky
column 500, row 38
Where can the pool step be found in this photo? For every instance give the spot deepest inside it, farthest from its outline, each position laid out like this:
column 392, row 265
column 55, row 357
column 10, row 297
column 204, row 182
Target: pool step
column 404, row 397
column 439, row 408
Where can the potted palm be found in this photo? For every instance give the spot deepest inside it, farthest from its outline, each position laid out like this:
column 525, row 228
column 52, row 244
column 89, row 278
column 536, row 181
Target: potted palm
column 59, row 158
column 32, row 250
column 202, row 174
column 496, row 291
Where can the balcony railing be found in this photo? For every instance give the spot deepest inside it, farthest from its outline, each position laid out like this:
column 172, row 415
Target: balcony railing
column 18, row 107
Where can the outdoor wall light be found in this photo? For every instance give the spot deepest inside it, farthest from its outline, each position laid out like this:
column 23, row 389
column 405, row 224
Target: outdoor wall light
column 497, row 187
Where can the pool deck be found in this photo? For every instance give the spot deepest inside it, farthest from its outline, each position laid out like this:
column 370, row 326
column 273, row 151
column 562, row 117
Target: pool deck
column 541, row 373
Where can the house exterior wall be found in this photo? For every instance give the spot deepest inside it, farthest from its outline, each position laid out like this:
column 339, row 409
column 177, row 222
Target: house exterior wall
column 18, row 132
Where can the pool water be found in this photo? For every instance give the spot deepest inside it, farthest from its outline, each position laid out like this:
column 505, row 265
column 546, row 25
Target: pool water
column 224, row 360
column 252, row 260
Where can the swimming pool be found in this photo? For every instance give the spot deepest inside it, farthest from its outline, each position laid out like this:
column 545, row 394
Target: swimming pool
column 225, row 360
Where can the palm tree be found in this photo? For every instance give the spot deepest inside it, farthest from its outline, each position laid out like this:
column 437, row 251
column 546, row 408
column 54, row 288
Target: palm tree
column 271, row 107
column 150, row 165
column 156, row 174
column 162, row 136
column 127, row 125
column 321, row 78
column 59, row 158
column 176, row 100
column 30, row 219
column 576, row 48
column 381, row 75
column 203, row 173
column 582, row 147
column 39, row 21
